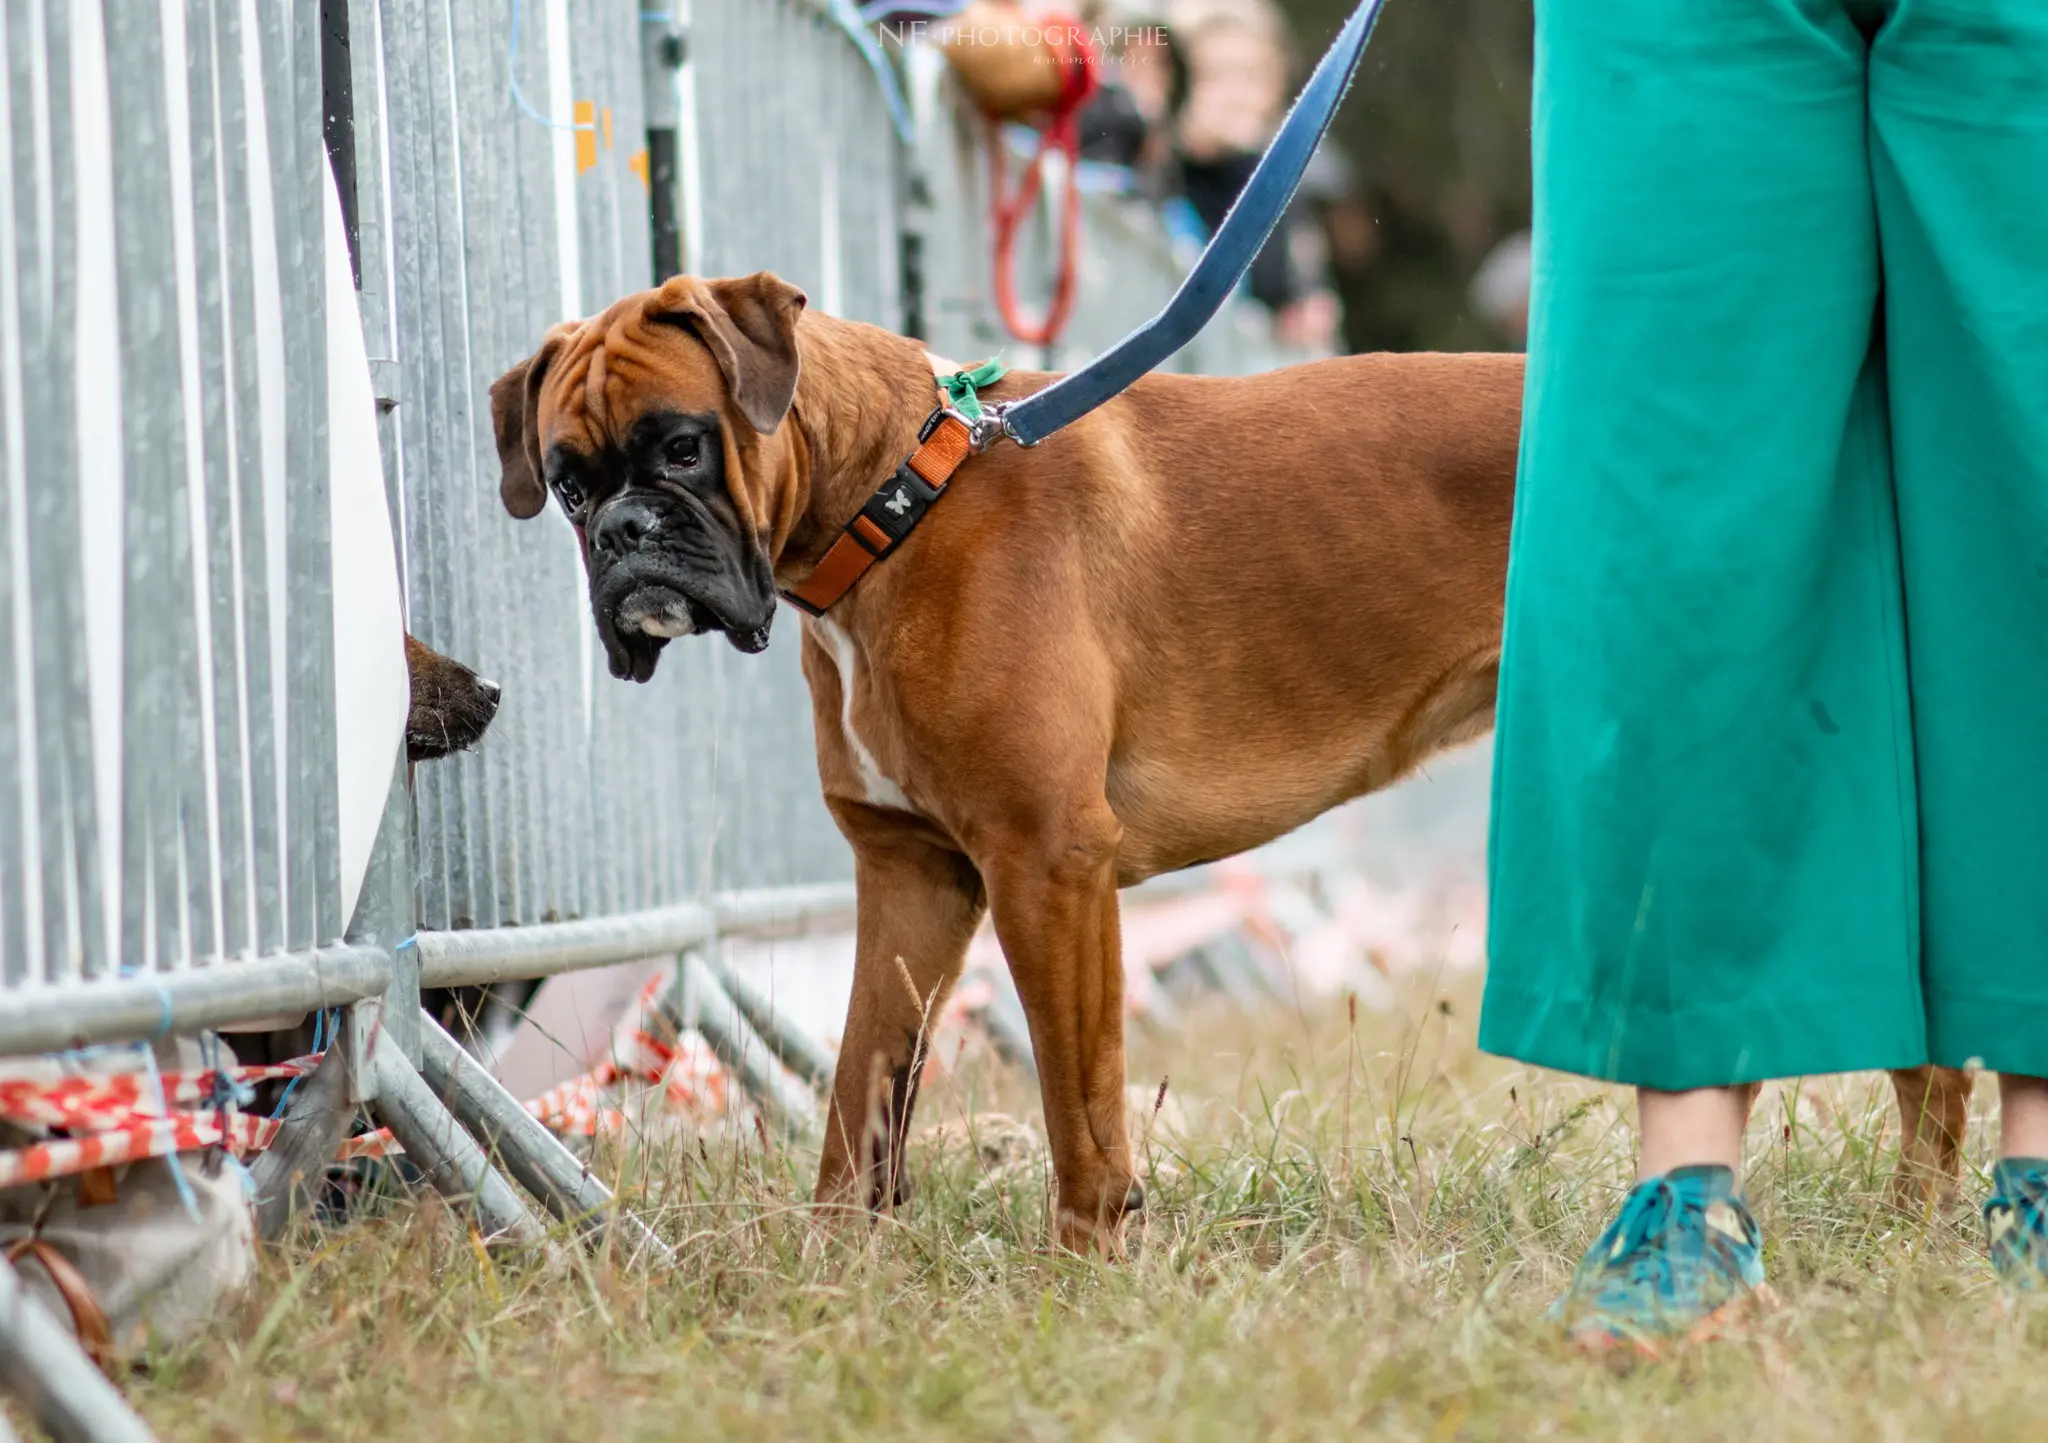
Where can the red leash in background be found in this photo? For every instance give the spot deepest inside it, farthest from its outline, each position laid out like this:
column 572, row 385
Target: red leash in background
column 1007, row 213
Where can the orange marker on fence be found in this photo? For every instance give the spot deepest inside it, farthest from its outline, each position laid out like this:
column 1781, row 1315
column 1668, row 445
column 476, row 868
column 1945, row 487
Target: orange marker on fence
column 586, row 135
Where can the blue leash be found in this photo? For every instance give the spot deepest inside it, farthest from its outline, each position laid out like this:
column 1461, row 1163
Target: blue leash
column 1216, row 272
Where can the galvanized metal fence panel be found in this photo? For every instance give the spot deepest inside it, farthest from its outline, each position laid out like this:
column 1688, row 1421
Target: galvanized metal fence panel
column 298, row 170
column 219, row 684
column 248, row 491
column 163, row 843
column 167, row 735
column 449, row 209
column 428, row 453
column 51, row 919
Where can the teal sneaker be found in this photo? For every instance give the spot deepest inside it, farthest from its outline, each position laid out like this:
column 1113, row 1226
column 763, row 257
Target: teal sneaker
column 2016, row 1222
column 1682, row 1258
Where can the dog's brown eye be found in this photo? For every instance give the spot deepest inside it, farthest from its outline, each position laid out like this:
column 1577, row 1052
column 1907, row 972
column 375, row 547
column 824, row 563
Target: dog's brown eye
column 683, row 451
column 572, row 497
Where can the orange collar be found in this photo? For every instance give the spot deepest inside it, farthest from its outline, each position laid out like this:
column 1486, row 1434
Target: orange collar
column 892, row 513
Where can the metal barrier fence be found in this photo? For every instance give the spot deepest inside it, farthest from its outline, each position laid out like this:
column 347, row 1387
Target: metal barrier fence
column 169, row 854
column 171, row 843
column 167, row 777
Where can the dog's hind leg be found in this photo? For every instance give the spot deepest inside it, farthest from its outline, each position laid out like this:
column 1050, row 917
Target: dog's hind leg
column 1052, row 889
column 919, row 903
column 1934, row 1110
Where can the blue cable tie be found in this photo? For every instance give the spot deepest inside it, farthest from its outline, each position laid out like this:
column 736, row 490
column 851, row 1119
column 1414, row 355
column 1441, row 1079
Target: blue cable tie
column 518, row 95
column 319, row 1032
column 163, row 1102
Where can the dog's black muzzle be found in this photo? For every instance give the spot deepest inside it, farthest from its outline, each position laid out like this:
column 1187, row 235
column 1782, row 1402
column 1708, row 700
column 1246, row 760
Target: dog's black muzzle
column 662, row 568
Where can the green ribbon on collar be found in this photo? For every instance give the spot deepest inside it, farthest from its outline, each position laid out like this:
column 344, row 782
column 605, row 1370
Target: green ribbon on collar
column 961, row 385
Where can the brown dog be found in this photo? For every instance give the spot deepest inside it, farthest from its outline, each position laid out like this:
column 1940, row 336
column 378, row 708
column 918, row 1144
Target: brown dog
column 451, row 706
column 1197, row 618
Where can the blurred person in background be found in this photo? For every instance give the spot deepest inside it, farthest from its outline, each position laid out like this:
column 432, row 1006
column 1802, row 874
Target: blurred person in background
column 1130, row 122
column 1144, row 80
column 1500, row 289
column 1154, row 69
column 1437, row 131
column 1324, row 199
column 1237, row 63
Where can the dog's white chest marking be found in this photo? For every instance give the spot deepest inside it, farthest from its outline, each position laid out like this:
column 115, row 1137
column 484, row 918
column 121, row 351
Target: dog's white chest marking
column 880, row 791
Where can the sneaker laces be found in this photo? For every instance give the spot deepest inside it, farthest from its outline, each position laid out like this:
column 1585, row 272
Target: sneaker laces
column 2016, row 1216
column 1661, row 1246
column 1636, row 1240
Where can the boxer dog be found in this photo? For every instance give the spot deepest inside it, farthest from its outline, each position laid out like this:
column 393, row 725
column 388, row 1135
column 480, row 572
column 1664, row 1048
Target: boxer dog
column 1201, row 615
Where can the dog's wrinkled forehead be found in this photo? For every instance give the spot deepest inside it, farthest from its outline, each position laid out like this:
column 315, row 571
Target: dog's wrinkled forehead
column 615, row 367
column 726, row 347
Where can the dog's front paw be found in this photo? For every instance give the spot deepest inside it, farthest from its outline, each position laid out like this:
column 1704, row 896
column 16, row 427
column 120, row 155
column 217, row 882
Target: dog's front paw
column 1099, row 1231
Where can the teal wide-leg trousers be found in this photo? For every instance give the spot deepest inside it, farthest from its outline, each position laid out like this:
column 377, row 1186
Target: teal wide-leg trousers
column 1771, row 786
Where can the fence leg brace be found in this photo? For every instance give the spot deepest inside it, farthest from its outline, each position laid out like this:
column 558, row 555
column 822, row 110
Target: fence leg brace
column 450, row 1157
column 792, row 1047
column 288, row 1174
column 696, row 1000
column 68, row 1395
column 533, row 1155
column 384, row 1046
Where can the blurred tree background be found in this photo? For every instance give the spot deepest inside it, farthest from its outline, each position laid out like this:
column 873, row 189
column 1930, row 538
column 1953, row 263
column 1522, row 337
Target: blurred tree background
column 1436, row 131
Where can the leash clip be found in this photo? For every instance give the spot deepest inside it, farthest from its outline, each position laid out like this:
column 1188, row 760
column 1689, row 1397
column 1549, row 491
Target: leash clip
column 985, row 430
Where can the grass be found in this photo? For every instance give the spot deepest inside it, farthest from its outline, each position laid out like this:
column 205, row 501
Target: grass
column 1353, row 1231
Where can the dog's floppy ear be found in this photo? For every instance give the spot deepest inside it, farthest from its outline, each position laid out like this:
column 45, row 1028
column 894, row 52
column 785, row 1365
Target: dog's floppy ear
column 515, row 406
column 749, row 325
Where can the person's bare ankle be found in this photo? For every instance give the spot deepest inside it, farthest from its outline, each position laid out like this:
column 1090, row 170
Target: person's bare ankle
column 2022, row 1116
column 1700, row 1126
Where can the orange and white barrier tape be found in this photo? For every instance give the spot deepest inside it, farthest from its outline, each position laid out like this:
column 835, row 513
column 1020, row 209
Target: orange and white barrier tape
column 126, row 1118
column 83, row 1102
column 142, row 1136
